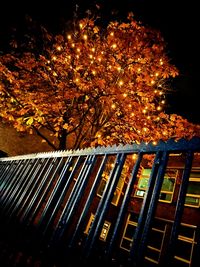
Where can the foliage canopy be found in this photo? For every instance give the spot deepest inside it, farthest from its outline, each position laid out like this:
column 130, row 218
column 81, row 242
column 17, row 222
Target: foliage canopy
column 96, row 85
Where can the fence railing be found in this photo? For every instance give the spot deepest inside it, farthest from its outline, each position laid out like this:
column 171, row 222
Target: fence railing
column 46, row 200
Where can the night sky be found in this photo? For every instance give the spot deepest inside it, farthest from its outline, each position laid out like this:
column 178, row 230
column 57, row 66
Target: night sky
column 177, row 20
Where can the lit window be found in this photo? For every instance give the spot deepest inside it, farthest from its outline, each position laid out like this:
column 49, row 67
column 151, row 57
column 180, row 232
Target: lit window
column 185, row 244
column 143, row 183
column 104, row 231
column 168, row 186
column 193, row 191
column 167, row 190
column 156, row 241
column 120, row 184
column 129, row 230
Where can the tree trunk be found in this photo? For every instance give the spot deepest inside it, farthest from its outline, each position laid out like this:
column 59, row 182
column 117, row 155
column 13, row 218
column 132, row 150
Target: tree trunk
column 63, row 140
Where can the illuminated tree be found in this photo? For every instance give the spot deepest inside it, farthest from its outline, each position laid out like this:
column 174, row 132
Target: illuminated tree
column 97, row 85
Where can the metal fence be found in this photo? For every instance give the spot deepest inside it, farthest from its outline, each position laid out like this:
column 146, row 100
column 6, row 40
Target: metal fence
column 47, row 197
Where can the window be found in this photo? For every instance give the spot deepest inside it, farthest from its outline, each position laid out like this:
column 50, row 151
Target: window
column 143, row 183
column 185, row 245
column 156, row 241
column 167, row 190
column 168, row 186
column 127, row 237
column 193, row 190
column 120, row 184
column 104, row 231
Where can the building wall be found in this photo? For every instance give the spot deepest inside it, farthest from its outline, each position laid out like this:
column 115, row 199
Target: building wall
column 16, row 143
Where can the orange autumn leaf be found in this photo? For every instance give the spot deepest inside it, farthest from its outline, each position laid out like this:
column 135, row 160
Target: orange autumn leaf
column 109, row 80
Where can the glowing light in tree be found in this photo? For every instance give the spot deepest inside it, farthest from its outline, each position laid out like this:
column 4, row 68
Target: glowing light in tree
column 96, row 85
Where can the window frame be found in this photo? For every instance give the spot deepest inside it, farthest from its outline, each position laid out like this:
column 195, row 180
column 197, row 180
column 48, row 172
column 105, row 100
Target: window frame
column 103, row 235
column 162, row 229
column 197, row 196
column 186, row 239
column 171, row 193
column 119, row 188
column 124, row 237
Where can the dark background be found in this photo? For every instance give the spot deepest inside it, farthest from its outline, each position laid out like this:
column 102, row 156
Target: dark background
column 177, row 20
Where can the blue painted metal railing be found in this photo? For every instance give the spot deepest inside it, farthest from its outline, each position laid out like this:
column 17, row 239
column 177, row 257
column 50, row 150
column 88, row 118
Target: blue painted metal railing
column 42, row 194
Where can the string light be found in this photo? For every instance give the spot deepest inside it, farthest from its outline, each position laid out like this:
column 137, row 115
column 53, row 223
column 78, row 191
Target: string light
column 120, row 83
column 113, row 106
column 95, row 55
column 159, row 108
column 134, row 156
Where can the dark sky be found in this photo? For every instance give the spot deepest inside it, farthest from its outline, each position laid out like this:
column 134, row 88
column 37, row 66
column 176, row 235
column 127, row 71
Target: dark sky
column 177, row 20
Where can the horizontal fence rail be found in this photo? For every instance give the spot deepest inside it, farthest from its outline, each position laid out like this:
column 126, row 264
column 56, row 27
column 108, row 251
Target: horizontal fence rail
column 47, row 200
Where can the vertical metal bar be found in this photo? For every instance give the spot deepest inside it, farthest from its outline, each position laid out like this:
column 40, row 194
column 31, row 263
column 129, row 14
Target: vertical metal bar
column 9, row 193
column 88, row 203
column 6, row 175
column 51, row 202
column 179, row 206
column 30, row 209
column 103, row 207
column 4, row 166
column 19, row 188
column 23, row 189
column 44, row 188
column 62, row 196
column 75, row 196
column 33, row 184
column 143, row 212
column 9, row 178
column 152, row 207
column 125, row 202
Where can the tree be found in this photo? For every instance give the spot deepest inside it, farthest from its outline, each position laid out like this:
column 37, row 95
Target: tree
column 97, row 84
